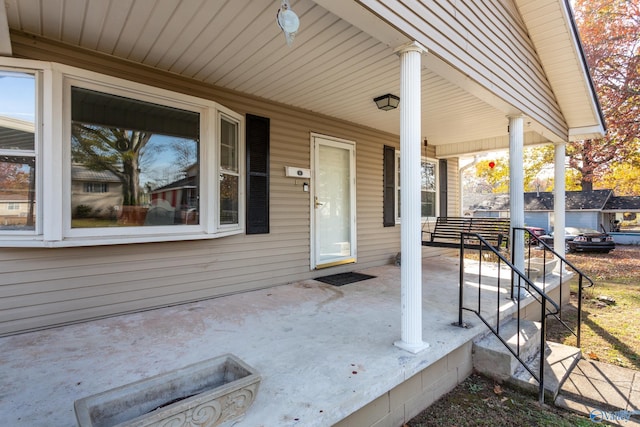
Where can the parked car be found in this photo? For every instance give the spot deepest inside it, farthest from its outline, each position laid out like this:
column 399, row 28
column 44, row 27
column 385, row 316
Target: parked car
column 579, row 239
column 536, row 231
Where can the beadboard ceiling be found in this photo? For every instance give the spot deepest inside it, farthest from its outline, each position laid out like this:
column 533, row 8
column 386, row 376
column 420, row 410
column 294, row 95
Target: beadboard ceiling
column 332, row 67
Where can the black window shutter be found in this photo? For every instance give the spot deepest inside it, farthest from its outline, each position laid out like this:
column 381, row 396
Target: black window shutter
column 389, row 184
column 442, row 177
column 257, row 147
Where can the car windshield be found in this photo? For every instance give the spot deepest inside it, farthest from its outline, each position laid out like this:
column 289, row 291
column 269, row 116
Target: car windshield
column 576, row 231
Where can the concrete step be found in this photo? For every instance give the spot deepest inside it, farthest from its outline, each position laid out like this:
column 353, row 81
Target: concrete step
column 559, row 361
column 493, row 359
column 598, row 389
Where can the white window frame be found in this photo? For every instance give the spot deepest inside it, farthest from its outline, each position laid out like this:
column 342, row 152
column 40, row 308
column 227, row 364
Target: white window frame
column 53, row 149
column 35, row 68
column 398, row 187
column 224, row 113
column 436, row 191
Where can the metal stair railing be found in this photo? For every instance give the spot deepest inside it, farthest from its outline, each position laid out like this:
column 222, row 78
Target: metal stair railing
column 548, row 307
column 584, row 281
column 521, row 276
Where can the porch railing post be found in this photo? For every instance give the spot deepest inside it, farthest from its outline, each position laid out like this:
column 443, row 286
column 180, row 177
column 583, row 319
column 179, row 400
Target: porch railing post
column 461, row 281
column 543, row 343
column 578, row 327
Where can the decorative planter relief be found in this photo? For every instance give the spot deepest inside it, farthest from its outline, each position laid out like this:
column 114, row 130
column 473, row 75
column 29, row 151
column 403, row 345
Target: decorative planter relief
column 210, row 393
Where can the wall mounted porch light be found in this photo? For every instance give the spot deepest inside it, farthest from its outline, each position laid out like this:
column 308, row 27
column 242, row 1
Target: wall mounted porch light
column 387, row 102
column 288, row 21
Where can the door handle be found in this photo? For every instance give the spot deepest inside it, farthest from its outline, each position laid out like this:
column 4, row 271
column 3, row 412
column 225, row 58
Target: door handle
column 318, row 204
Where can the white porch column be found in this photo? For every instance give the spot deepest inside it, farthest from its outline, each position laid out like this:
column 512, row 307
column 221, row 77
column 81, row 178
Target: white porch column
column 410, row 228
column 559, row 198
column 516, row 186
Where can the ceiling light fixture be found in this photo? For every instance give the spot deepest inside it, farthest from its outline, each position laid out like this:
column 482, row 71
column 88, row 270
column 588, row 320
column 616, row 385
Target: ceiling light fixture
column 387, row 102
column 288, row 21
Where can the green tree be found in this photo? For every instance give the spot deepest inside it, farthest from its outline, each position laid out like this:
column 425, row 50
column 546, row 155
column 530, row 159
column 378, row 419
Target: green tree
column 13, row 176
column 609, row 31
column 118, row 151
column 624, row 177
column 494, row 170
column 17, row 175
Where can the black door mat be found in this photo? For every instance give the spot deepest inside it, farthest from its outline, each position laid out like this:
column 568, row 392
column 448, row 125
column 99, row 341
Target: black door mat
column 343, row 278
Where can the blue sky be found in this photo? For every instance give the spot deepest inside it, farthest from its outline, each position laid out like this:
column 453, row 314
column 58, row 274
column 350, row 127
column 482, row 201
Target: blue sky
column 17, row 95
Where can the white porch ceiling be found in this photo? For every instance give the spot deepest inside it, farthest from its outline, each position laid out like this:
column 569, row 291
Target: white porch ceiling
column 332, row 68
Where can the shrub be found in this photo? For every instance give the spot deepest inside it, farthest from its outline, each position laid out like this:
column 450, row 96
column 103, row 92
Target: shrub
column 83, row 211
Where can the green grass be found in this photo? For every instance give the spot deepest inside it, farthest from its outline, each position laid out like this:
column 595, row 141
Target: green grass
column 479, row 401
column 609, row 330
column 93, row 223
column 609, row 334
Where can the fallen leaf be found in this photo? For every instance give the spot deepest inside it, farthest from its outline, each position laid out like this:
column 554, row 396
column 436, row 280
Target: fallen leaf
column 593, row 356
column 497, row 389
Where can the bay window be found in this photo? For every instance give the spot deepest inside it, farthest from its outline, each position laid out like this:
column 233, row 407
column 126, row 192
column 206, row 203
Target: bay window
column 115, row 161
column 146, row 153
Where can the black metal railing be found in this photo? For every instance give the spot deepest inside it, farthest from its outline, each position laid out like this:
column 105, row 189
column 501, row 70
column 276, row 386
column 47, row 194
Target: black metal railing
column 498, row 260
column 520, row 281
column 534, row 245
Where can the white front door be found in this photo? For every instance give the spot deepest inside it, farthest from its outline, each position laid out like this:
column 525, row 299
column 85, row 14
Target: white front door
column 333, row 202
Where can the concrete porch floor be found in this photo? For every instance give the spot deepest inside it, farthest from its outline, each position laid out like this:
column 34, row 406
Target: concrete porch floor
column 323, row 351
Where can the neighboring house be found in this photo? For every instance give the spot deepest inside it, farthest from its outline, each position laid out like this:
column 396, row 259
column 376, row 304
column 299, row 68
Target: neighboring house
column 182, row 196
column 17, row 198
column 14, row 209
column 625, row 209
column 95, row 194
column 597, row 209
column 299, row 173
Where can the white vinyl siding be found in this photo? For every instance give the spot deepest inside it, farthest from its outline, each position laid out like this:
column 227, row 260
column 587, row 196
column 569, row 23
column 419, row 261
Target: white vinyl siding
column 487, row 43
column 45, row 287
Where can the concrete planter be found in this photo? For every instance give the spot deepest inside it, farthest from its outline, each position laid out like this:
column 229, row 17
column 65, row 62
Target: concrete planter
column 210, row 393
column 542, row 265
column 533, row 273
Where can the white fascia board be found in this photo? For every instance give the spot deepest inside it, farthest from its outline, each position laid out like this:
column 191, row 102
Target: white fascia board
column 587, row 132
